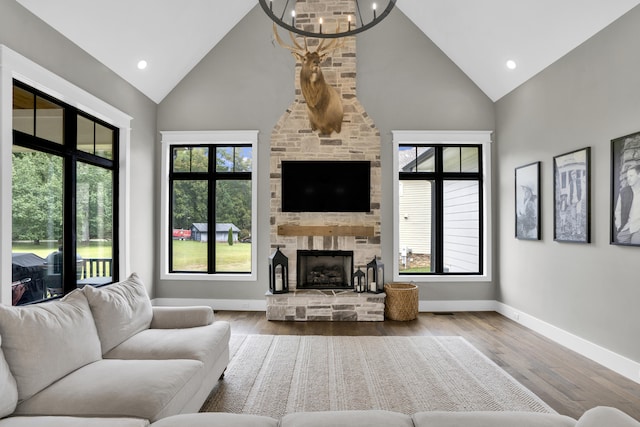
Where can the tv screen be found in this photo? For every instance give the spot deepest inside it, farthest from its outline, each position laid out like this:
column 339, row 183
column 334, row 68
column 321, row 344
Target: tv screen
column 326, row 186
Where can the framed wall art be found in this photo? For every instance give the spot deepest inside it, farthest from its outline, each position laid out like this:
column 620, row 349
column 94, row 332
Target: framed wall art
column 625, row 184
column 527, row 213
column 571, row 196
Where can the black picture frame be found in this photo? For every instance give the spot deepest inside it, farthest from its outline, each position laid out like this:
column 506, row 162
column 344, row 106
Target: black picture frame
column 527, row 202
column 572, row 196
column 625, row 167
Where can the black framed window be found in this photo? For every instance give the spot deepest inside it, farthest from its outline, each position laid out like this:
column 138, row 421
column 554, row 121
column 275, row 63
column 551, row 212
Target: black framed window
column 440, row 209
column 64, row 197
column 210, row 208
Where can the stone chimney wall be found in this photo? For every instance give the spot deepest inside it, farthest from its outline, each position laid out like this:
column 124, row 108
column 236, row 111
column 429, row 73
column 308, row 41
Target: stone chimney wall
column 293, row 139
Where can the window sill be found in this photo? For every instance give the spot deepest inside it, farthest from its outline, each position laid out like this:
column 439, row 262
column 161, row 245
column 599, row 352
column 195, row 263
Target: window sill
column 242, row 277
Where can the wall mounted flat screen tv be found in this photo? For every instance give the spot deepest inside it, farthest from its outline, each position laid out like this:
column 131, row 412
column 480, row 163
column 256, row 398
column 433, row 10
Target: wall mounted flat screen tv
column 326, row 186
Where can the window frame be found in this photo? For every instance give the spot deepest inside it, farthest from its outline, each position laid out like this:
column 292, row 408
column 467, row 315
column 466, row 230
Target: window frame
column 14, row 66
column 446, row 138
column 72, row 157
column 169, row 139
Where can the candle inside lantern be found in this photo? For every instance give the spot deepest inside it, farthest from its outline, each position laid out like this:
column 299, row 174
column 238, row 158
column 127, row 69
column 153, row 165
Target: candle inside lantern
column 372, row 286
column 279, row 282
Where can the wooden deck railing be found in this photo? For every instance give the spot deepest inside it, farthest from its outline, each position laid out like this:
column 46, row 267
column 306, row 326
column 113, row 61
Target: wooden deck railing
column 96, row 267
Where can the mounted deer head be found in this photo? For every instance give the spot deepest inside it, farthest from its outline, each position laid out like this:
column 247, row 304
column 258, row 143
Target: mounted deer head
column 323, row 101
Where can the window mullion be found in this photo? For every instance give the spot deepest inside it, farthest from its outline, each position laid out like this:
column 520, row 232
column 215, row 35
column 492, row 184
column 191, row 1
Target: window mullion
column 69, row 228
column 211, row 212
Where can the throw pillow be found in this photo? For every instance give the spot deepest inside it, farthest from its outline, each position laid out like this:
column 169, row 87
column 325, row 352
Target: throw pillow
column 44, row 342
column 8, row 388
column 120, row 310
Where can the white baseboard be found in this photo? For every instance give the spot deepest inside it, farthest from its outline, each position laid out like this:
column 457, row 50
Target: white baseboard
column 459, row 305
column 607, row 358
column 216, row 304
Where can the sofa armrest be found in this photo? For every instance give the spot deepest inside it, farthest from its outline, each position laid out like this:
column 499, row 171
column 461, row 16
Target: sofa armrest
column 606, row 416
column 181, row 317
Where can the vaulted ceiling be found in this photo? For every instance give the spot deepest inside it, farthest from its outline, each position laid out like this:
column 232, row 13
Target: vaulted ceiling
column 479, row 36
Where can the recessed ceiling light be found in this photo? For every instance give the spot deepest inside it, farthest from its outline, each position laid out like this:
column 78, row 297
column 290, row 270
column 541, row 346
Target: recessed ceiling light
column 142, row 64
column 511, row 64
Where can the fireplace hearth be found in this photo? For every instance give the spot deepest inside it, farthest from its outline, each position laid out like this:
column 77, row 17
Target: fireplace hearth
column 320, row 269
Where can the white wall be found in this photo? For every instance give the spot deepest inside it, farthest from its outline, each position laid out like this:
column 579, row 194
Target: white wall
column 587, row 98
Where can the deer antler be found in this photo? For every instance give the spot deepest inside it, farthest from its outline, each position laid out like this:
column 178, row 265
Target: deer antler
column 322, row 50
column 296, row 48
column 334, row 44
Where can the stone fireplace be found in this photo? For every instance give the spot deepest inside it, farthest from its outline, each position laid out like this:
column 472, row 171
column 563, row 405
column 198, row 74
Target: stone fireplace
column 359, row 139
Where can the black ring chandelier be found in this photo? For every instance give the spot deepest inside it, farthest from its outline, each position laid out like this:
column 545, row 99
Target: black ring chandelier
column 355, row 23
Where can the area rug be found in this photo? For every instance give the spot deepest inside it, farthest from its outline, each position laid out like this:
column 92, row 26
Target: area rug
column 278, row 374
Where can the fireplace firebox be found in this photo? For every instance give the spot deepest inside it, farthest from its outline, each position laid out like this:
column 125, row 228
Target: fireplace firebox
column 317, row 269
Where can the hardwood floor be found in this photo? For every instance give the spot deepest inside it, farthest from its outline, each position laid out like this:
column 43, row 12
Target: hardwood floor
column 567, row 381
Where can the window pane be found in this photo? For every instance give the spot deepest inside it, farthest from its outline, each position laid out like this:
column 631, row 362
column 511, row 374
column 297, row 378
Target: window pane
column 461, row 213
column 243, row 159
column 85, row 134
column 470, row 159
column 415, row 223
column 224, row 159
column 23, row 108
column 426, row 159
column 233, row 225
column 37, row 219
column 190, row 159
column 189, row 226
column 104, row 141
column 94, row 213
column 49, row 120
column 451, row 159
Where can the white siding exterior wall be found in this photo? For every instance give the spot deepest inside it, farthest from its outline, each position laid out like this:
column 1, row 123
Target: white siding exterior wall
column 415, row 216
column 461, row 222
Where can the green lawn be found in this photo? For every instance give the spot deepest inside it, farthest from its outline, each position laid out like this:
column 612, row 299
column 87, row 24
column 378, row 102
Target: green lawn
column 85, row 250
column 189, row 255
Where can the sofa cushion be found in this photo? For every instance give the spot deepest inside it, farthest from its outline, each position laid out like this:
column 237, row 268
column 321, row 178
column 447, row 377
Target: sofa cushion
column 491, row 419
column 120, row 310
column 149, row 389
column 371, row 418
column 42, row 343
column 601, row 416
column 216, row 419
column 204, row 343
column 181, row 317
column 49, row 421
column 8, row 387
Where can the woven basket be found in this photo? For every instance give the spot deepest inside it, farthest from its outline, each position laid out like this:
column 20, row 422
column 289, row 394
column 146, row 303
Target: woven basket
column 401, row 302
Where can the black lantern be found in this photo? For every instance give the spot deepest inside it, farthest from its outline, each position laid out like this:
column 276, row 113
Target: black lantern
column 358, row 281
column 278, row 273
column 375, row 276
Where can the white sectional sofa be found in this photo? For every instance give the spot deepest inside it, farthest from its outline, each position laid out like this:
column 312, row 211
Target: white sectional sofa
column 596, row 417
column 104, row 357
column 107, row 356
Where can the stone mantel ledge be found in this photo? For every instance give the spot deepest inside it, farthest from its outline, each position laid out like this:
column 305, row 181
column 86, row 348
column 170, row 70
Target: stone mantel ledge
column 325, row 305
